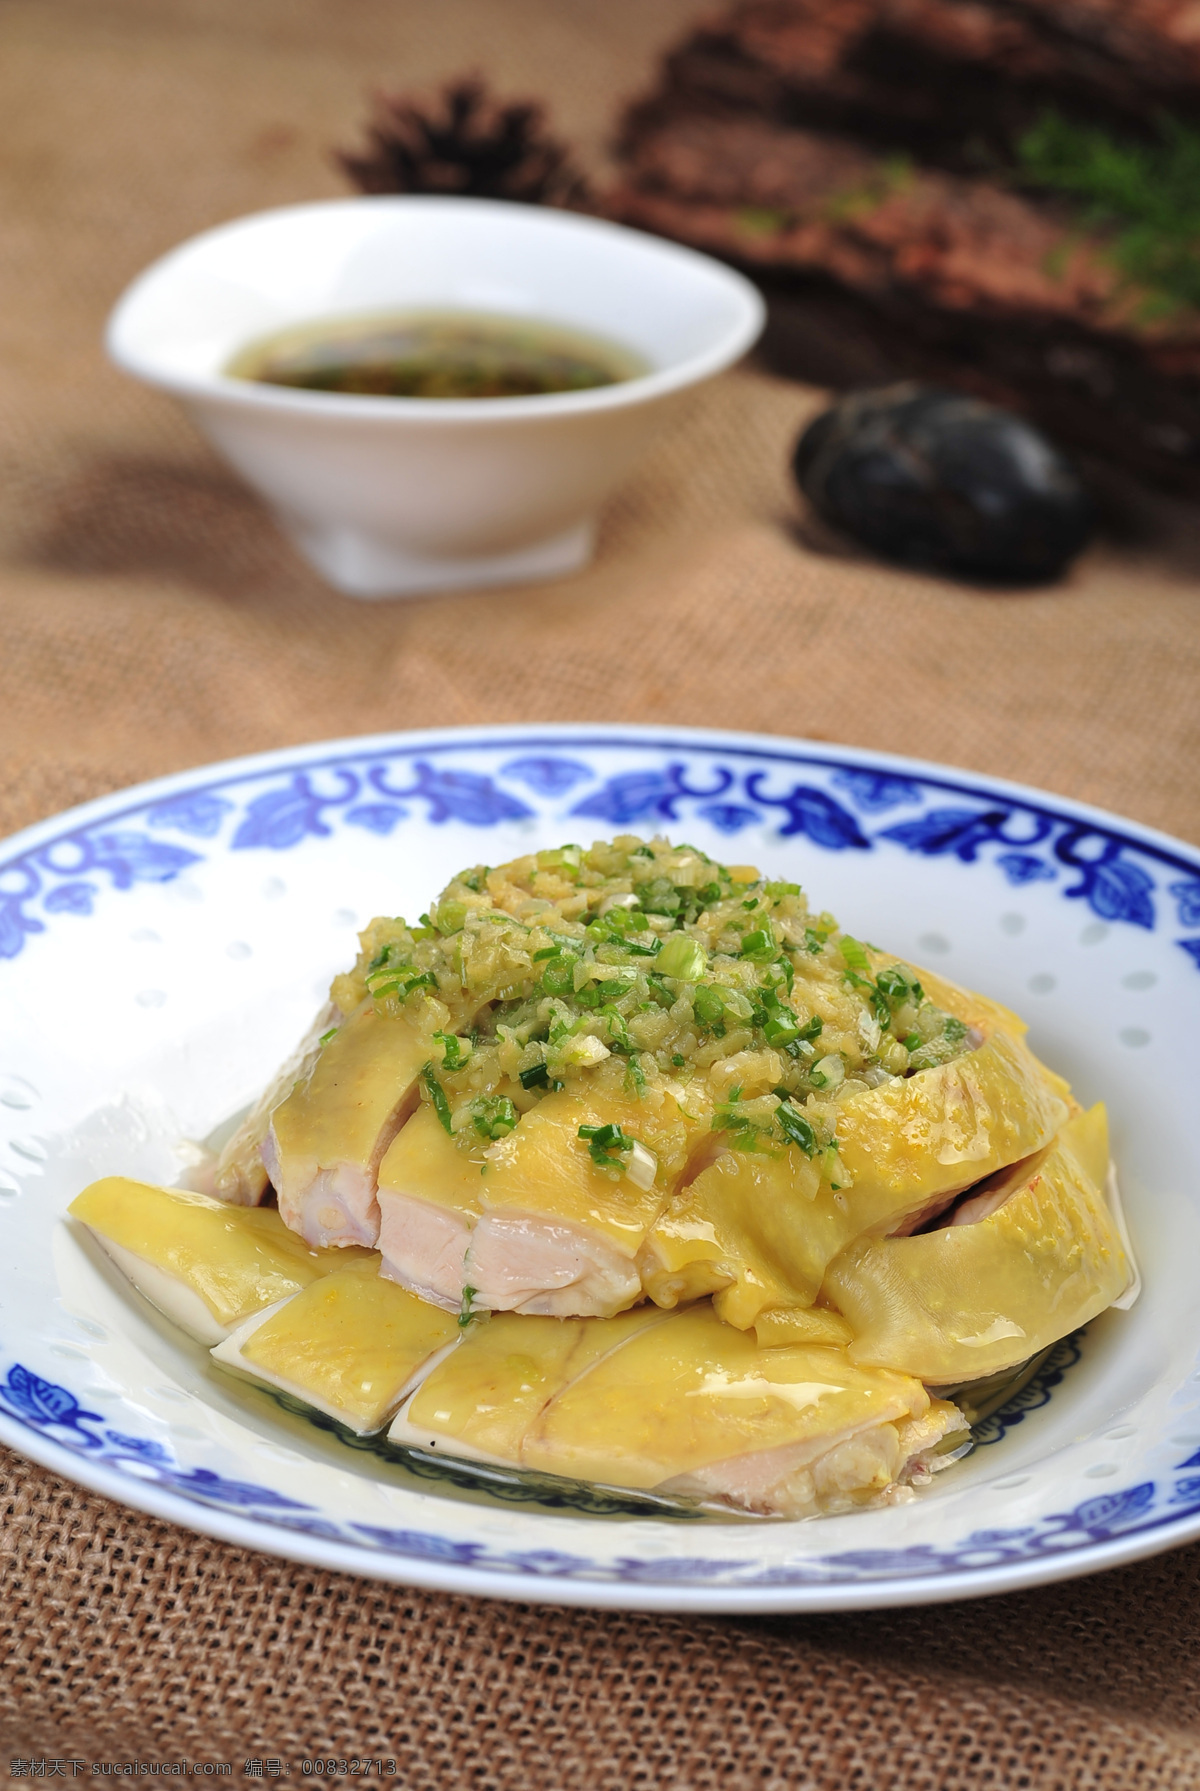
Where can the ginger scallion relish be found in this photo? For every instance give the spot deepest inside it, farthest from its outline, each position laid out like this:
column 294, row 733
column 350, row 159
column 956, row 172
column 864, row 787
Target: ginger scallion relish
column 640, row 967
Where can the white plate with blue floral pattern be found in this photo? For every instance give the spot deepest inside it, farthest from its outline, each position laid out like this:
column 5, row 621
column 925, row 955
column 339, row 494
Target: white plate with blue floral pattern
column 162, row 949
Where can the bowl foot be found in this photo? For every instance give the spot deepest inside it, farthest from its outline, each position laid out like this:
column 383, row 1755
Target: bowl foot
column 362, row 565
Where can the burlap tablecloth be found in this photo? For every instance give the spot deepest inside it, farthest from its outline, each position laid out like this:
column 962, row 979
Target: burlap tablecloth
column 153, row 619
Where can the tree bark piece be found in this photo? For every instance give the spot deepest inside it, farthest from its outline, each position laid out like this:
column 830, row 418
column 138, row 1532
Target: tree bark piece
column 822, row 149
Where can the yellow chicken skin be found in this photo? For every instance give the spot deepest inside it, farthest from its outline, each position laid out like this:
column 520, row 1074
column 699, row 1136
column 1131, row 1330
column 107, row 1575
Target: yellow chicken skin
column 205, row 1264
column 984, row 1016
column 496, row 1384
column 757, row 1231
column 1030, row 1256
column 802, row 1324
column 327, row 1139
column 351, row 1345
column 679, row 1403
column 239, row 1174
column 542, row 1221
column 918, row 1140
column 645, row 983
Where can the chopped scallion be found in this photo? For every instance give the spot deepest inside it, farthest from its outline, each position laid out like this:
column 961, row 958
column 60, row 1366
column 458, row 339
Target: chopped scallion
column 455, row 1051
column 437, row 1096
column 683, row 958
column 854, row 952
column 493, row 1116
column 606, row 1144
column 795, row 1128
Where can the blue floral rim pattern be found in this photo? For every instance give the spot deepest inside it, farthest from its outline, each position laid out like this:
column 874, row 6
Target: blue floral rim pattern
column 836, row 805
column 52, row 1410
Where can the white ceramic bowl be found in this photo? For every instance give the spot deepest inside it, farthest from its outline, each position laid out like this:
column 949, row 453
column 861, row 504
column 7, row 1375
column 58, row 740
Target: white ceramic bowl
column 393, row 496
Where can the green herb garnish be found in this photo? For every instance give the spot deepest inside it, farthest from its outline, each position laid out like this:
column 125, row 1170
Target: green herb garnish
column 607, row 1145
column 493, row 1116
column 456, row 1052
column 781, row 1029
column 558, row 971
column 746, row 1130
column 709, row 1009
column 897, row 985
column 760, row 945
column 660, row 896
column 795, row 1128
column 403, row 983
column 854, row 952
column 437, row 1096
column 683, row 958
column 451, row 917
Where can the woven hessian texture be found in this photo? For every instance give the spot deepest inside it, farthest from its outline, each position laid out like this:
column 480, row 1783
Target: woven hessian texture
column 153, row 619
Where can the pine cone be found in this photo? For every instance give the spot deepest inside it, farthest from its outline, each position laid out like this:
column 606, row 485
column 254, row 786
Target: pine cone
column 464, row 141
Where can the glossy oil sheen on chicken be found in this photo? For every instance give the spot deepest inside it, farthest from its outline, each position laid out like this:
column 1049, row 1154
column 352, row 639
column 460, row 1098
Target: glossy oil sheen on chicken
column 625, row 1165
column 675, row 1080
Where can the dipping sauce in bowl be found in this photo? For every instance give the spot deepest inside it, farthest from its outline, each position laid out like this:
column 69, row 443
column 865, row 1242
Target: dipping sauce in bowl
column 435, row 354
column 433, row 394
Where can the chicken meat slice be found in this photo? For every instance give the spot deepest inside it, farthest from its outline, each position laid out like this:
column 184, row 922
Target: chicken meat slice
column 327, row 1139
column 502, row 1376
column 239, row 1174
column 758, row 1231
column 535, row 1224
column 755, row 1231
column 351, row 1346
column 916, row 1140
column 206, row 1265
column 1030, row 1256
column 679, row 1403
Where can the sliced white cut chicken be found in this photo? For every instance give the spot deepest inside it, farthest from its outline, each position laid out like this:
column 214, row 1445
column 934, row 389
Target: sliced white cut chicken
column 914, row 1142
column 546, row 1222
column 680, row 1403
column 351, row 1345
column 1029, row 1257
column 328, row 1138
column 758, row 1229
column 504, row 1373
column 207, row 1265
column 755, row 1230
column 239, row 1174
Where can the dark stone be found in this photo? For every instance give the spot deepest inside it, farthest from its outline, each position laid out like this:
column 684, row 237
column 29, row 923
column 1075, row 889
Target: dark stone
column 935, row 479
